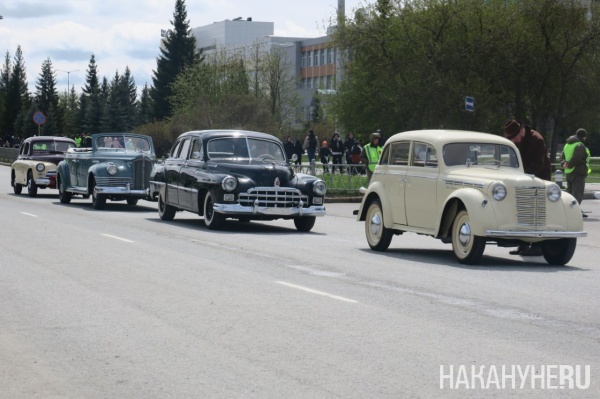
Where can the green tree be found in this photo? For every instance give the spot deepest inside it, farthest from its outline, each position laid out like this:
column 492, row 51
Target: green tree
column 18, row 99
column 178, row 51
column 145, row 107
column 46, row 99
column 91, row 103
column 5, row 72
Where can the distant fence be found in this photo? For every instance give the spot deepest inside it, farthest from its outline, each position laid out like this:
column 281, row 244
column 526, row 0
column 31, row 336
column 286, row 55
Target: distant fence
column 8, row 155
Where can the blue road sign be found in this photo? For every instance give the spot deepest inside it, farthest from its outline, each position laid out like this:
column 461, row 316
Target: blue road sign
column 39, row 118
column 470, row 104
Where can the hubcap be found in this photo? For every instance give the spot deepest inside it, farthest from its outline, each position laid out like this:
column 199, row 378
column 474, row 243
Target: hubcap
column 464, row 235
column 375, row 224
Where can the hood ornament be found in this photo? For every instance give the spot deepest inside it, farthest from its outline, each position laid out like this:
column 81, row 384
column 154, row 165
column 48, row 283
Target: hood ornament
column 277, row 183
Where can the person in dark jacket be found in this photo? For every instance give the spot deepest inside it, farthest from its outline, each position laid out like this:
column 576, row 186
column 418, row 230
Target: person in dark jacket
column 536, row 162
column 325, row 154
column 288, row 146
column 298, row 150
column 576, row 163
column 348, row 144
column 337, row 151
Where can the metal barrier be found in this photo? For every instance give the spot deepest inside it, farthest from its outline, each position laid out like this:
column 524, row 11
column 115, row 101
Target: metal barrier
column 340, row 178
column 8, row 155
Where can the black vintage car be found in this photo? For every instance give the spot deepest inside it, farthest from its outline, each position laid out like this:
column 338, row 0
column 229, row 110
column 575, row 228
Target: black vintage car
column 237, row 174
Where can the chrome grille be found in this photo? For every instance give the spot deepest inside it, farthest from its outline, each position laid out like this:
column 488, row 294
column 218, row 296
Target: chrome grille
column 531, row 207
column 113, row 181
column 141, row 173
column 273, row 197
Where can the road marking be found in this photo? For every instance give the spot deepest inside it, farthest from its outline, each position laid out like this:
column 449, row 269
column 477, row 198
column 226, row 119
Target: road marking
column 29, row 214
column 340, row 298
column 117, row 238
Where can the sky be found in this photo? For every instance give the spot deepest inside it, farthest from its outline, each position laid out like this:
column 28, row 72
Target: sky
column 123, row 33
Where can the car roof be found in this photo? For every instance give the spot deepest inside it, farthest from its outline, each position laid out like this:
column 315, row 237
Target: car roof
column 442, row 136
column 47, row 138
column 208, row 134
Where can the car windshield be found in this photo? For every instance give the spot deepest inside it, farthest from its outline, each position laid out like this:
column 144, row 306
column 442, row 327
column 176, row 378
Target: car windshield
column 50, row 147
column 480, row 154
column 244, row 148
column 120, row 142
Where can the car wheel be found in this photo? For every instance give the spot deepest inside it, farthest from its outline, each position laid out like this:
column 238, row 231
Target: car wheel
column 559, row 252
column 132, row 201
column 32, row 188
column 212, row 219
column 165, row 211
column 378, row 236
column 98, row 200
column 304, row 223
column 63, row 196
column 17, row 188
column 468, row 248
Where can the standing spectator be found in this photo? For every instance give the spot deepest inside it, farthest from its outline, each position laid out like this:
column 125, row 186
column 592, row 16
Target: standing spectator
column 311, row 145
column 533, row 151
column 78, row 141
column 298, row 150
column 324, row 154
column 576, row 163
column 288, row 146
column 370, row 155
column 355, row 152
column 348, row 144
column 337, row 151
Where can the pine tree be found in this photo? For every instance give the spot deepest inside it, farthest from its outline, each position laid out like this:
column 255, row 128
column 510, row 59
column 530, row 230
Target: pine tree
column 17, row 99
column 177, row 53
column 129, row 97
column 145, row 107
column 91, row 110
column 5, row 72
column 46, row 99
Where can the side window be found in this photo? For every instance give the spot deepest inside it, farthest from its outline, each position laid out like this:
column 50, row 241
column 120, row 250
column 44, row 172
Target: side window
column 384, row 159
column 431, row 160
column 196, row 149
column 399, row 153
column 175, row 150
column 424, row 155
column 185, row 148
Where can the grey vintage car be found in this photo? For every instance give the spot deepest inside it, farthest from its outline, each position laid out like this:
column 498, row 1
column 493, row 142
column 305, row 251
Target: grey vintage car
column 108, row 166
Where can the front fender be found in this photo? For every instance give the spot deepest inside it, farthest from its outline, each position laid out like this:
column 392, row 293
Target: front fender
column 63, row 171
column 476, row 203
column 376, row 191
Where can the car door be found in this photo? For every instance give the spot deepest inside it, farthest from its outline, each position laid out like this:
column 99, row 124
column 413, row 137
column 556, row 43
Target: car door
column 421, row 186
column 186, row 173
column 395, row 179
column 172, row 168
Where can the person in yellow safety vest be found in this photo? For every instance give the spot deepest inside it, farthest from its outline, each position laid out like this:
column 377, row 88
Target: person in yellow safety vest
column 576, row 163
column 370, row 155
column 77, row 141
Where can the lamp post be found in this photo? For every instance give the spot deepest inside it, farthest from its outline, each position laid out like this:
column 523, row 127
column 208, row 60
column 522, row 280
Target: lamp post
column 68, row 75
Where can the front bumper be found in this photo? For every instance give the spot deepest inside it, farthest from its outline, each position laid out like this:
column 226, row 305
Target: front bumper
column 122, row 191
column 534, row 234
column 237, row 209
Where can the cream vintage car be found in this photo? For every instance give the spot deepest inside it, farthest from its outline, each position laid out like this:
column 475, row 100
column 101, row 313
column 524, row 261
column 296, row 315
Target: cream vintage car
column 35, row 166
column 468, row 189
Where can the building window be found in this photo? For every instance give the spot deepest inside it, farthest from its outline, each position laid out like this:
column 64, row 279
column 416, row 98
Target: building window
column 310, row 58
column 304, row 60
column 323, row 56
column 316, row 57
column 330, row 56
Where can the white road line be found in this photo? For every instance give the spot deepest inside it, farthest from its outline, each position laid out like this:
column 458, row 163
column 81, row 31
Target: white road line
column 117, row 238
column 29, row 214
column 340, row 298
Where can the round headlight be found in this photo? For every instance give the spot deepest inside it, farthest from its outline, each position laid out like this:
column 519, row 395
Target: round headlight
column 553, row 192
column 112, row 169
column 40, row 167
column 229, row 183
column 499, row 191
column 319, row 187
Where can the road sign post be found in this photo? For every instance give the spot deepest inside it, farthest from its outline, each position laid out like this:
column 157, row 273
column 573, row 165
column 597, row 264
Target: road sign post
column 39, row 119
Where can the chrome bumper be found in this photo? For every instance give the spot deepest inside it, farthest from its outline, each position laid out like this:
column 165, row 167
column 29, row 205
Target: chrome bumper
column 43, row 181
column 237, row 209
column 534, row 234
column 122, row 191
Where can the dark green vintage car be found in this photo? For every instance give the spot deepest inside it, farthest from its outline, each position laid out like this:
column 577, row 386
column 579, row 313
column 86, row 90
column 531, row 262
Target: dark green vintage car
column 108, row 166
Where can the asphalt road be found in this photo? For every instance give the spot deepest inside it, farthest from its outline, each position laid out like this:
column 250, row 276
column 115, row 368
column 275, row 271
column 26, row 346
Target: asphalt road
column 119, row 304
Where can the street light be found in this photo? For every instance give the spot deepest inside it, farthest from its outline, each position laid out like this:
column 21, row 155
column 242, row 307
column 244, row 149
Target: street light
column 68, row 75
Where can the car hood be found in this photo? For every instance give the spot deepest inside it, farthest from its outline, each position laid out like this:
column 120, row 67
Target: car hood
column 486, row 175
column 52, row 158
column 257, row 173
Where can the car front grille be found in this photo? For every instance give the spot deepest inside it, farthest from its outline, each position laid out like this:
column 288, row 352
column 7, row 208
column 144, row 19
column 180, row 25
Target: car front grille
column 531, row 207
column 273, row 197
column 113, row 181
column 141, row 173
